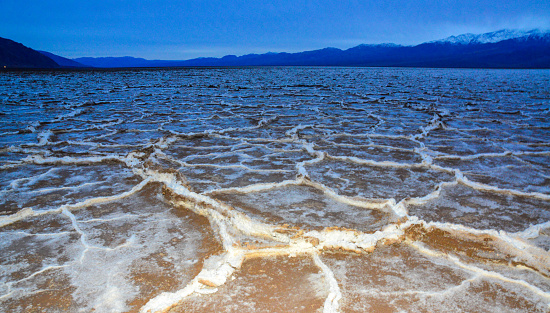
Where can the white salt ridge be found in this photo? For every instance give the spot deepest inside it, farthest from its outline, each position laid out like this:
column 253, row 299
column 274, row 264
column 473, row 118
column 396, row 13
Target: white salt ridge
column 215, row 271
column 533, row 231
column 374, row 163
column 293, row 133
column 266, row 121
column 12, row 133
column 511, row 243
column 256, row 187
column 57, row 234
column 30, row 180
column 370, row 145
column 485, row 187
column 43, row 137
column 71, row 113
column 355, row 201
column 83, row 238
column 221, row 166
column 21, row 215
column 30, row 277
column 331, row 302
column 300, row 167
column 47, row 190
column 19, row 149
column 357, row 241
column 481, row 186
column 28, row 212
column 475, row 156
column 490, row 274
column 434, row 124
column 38, row 159
column 443, row 293
column 300, row 180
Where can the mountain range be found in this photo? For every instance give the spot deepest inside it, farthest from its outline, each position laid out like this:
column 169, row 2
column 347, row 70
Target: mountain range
column 500, row 49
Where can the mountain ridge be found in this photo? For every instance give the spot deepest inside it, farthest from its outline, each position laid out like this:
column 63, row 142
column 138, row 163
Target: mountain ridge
column 499, row 49
column 492, row 37
column 16, row 55
column 61, row 61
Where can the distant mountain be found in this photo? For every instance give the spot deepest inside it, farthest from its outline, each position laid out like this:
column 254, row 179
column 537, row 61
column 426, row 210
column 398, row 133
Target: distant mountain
column 493, row 37
column 530, row 51
column 500, row 49
column 515, row 50
column 63, row 62
column 128, row 62
column 114, row 62
column 16, row 55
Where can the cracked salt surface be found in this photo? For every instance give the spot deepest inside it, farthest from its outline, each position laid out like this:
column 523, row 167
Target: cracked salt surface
column 275, row 190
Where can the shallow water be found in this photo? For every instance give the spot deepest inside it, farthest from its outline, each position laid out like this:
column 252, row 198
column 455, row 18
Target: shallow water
column 275, row 190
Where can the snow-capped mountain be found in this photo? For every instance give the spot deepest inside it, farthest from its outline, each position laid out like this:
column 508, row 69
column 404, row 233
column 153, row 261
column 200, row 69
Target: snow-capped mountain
column 493, row 37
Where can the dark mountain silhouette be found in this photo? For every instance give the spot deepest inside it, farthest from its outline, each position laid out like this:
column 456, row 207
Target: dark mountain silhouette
column 63, row 62
column 16, row 55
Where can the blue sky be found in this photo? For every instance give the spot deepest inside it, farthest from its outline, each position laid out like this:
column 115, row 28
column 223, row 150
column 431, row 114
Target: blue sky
column 186, row 29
